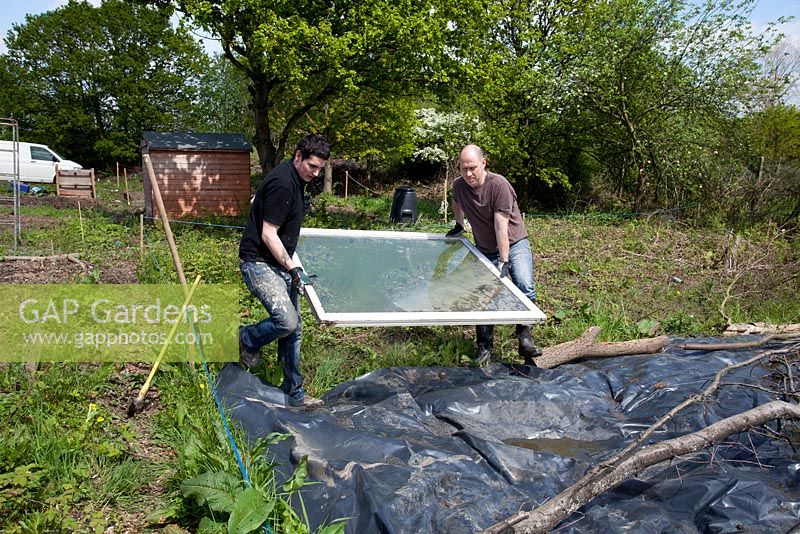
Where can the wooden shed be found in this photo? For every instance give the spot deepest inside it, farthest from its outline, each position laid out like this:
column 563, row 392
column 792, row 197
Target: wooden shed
column 198, row 174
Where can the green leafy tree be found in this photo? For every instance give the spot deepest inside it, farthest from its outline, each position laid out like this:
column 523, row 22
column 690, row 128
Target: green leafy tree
column 520, row 80
column 624, row 99
column 90, row 79
column 764, row 172
column 223, row 101
column 369, row 126
column 300, row 56
column 662, row 75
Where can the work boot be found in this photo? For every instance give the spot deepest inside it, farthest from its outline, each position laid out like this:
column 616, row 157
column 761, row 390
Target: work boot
column 248, row 358
column 485, row 337
column 527, row 349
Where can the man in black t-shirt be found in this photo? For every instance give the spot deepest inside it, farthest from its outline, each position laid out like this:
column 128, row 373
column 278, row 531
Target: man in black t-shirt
column 265, row 254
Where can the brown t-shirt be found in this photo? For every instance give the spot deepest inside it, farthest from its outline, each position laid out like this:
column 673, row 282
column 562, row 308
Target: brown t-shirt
column 480, row 204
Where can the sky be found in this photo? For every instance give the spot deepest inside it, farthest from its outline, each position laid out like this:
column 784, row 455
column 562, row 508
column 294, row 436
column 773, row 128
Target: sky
column 14, row 11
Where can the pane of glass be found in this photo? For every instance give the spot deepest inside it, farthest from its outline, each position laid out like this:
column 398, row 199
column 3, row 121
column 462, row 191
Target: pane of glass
column 41, row 154
column 360, row 274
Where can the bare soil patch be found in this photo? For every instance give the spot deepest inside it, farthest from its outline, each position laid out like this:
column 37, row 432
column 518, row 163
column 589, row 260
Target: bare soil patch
column 58, row 202
column 117, row 271
column 30, row 222
column 39, row 272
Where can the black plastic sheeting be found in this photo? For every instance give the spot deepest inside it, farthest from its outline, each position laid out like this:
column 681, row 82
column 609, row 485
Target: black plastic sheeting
column 459, row 449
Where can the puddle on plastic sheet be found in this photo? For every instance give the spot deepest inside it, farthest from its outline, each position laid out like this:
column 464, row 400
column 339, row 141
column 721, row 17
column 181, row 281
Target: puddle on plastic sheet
column 572, row 448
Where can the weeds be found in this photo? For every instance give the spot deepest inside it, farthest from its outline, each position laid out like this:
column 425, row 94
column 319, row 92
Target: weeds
column 71, row 461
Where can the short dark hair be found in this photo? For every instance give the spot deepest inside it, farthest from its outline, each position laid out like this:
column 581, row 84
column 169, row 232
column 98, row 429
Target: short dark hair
column 313, row 145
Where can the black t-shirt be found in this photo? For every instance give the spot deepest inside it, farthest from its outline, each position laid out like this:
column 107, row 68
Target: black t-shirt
column 279, row 201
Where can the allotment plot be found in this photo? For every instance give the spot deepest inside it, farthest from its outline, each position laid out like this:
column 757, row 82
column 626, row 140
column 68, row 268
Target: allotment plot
column 366, row 278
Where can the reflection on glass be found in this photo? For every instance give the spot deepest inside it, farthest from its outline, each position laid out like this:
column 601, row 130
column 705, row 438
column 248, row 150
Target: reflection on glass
column 370, row 274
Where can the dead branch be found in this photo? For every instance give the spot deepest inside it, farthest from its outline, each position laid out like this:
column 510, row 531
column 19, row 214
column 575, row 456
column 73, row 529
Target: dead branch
column 53, row 257
column 751, row 260
column 728, row 296
column 789, row 375
column 586, row 347
column 694, row 399
column 743, row 345
column 739, row 329
column 73, row 257
column 626, row 463
column 547, row 516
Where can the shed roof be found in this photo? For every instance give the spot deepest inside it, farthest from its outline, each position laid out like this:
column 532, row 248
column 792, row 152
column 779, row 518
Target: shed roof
column 195, row 141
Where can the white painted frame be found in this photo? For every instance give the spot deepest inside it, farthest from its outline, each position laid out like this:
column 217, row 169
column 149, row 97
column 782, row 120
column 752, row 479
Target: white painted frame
column 531, row 315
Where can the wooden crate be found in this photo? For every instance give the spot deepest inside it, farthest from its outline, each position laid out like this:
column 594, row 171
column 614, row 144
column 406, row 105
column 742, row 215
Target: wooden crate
column 75, row 183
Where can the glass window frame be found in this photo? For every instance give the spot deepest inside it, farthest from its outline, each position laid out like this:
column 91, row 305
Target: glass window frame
column 531, row 315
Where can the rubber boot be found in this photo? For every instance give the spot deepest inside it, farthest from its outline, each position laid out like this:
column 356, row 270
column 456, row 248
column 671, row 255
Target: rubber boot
column 246, row 357
column 527, row 349
column 485, row 335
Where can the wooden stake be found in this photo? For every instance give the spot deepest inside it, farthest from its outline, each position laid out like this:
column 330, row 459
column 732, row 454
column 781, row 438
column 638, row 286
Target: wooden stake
column 127, row 196
column 118, row 175
column 141, row 236
column 80, row 218
column 346, row 183
column 170, row 239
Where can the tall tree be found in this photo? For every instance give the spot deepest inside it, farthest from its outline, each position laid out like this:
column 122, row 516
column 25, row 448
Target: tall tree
column 90, row 79
column 520, row 81
column 664, row 75
column 301, row 55
column 223, row 101
column 626, row 90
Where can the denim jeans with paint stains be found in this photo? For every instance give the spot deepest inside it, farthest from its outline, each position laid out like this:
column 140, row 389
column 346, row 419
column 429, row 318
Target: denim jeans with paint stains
column 273, row 287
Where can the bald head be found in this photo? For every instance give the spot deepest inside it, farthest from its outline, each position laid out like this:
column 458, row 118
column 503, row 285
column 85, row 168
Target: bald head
column 473, row 150
column 473, row 165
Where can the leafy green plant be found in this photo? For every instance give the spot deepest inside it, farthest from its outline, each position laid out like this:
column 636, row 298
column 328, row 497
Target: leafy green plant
column 248, row 507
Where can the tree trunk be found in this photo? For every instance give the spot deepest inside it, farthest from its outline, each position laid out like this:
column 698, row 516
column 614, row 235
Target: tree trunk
column 328, row 183
column 262, row 140
column 586, row 347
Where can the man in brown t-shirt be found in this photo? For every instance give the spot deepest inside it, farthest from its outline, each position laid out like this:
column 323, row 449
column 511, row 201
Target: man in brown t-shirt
column 490, row 204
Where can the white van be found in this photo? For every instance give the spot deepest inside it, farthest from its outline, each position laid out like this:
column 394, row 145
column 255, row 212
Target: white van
column 37, row 163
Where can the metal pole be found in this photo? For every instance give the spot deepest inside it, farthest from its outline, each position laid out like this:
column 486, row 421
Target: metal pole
column 14, row 178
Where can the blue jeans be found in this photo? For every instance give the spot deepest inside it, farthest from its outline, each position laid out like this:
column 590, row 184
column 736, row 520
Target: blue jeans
column 520, row 263
column 273, row 287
